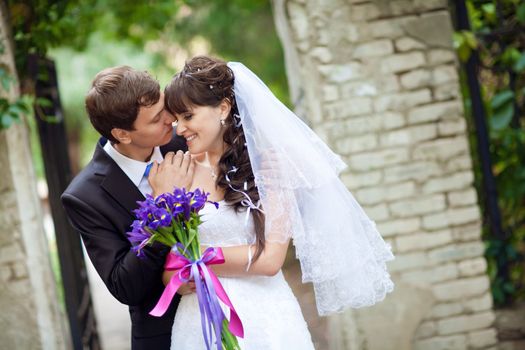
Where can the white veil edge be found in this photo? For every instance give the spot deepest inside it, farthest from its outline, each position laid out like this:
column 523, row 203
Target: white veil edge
column 296, row 173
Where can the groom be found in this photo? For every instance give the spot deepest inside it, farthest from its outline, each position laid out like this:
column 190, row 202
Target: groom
column 127, row 108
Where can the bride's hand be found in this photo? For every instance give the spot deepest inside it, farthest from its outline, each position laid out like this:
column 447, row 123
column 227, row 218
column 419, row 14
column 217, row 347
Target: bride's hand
column 175, row 171
column 184, row 289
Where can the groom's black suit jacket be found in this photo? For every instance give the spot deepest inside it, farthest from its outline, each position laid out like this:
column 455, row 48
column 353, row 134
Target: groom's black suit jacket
column 99, row 203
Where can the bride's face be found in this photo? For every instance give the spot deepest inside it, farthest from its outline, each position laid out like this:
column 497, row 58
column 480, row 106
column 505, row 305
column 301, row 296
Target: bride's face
column 201, row 127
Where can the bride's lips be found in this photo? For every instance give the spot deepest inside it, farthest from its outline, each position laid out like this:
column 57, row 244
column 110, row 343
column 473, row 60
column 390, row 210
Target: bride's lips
column 190, row 138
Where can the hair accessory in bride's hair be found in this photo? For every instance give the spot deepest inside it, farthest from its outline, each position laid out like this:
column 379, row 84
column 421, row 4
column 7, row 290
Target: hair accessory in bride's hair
column 247, row 201
column 237, row 119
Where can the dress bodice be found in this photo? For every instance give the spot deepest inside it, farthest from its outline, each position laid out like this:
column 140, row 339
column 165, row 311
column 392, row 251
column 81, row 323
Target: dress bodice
column 280, row 327
column 224, row 226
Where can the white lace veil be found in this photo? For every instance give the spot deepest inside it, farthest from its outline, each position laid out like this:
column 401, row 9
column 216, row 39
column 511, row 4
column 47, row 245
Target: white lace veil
column 296, row 174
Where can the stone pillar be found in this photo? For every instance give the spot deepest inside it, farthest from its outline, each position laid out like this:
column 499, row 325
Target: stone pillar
column 29, row 317
column 381, row 87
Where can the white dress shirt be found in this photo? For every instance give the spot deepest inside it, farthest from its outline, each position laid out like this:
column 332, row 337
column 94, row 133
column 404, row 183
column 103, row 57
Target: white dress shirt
column 134, row 169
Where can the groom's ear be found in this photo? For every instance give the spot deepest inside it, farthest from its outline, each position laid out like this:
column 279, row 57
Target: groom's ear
column 121, row 135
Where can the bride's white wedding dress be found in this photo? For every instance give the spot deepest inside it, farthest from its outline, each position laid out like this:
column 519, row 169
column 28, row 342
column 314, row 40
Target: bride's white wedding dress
column 268, row 309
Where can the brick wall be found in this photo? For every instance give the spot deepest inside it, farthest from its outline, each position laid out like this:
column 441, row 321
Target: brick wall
column 380, row 85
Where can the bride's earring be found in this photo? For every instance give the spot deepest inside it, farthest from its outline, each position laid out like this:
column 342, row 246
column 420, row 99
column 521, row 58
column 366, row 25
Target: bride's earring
column 223, row 122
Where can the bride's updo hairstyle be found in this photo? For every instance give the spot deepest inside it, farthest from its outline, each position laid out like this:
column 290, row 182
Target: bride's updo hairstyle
column 207, row 81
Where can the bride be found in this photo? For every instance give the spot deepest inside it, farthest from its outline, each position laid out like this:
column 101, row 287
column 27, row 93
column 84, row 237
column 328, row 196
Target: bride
column 274, row 180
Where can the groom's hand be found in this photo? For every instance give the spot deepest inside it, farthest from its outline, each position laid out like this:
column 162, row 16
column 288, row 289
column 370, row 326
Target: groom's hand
column 175, row 171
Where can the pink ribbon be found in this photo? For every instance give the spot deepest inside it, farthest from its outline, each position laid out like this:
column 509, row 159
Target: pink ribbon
column 183, row 272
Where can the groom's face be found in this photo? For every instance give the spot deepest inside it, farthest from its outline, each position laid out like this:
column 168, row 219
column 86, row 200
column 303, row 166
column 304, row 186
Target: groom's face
column 153, row 126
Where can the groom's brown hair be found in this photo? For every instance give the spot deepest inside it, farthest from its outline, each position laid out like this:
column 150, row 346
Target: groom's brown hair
column 116, row 96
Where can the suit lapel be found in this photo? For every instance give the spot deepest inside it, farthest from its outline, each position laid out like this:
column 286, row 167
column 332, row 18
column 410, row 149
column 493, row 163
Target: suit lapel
column 115, row 182
column 120, row 187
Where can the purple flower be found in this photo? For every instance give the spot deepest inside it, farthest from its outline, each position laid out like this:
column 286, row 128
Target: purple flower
column 145, row 208
column 199, row 199
column 171, row 202
column 169, row 213
column 179, row 194
column 177, row 209
column 139, row 250
column 186, row 209
column 160, row 217
column 138, row 237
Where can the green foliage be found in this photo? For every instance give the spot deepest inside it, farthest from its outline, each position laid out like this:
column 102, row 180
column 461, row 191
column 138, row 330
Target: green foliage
column 11, row 111
column 237, row 29
column 502, row 104
column 241, row 30
column 85, row 36
column 464, row 42
column 498, row 38
column 38, row 25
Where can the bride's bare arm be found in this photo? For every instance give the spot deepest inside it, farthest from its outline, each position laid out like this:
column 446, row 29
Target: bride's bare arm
column 237, row 258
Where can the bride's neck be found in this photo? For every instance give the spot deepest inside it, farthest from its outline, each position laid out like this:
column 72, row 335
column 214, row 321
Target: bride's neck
column 208, row 159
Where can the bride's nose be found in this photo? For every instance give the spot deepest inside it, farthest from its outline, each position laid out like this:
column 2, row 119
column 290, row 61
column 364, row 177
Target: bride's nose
column 179, row 128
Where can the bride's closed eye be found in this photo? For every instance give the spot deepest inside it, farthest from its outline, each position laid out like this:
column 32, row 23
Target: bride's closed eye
column 186, row 117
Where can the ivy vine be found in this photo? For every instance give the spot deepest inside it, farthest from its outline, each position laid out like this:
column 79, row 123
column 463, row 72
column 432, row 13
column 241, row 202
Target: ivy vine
column 498, row 37
column 11, row 111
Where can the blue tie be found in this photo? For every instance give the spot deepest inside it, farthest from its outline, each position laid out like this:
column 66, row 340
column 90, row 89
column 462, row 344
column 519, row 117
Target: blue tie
column 148, row 168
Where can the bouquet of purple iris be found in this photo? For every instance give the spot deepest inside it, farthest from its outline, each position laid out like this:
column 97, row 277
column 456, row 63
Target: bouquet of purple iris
column 173, row 219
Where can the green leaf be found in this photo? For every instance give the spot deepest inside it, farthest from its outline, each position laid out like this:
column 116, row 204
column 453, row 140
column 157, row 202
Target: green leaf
column 502, row 109
column 510, row 56
column 6, row 120
column 489, row 10
column 457, row 39
column 502, row 116
column 51, row 119
column 5, row 79
column 464, row 52
column 474, row 15
column 501, row 98
column 470, row 39
column 16, row 109
column 464, row 42
column 43, row 102
column 24, row 105
column 4, row 105
column 519, row 65
column 520, row 13
column 192, row 235
column 508, row 288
